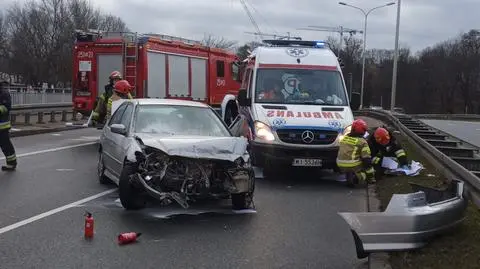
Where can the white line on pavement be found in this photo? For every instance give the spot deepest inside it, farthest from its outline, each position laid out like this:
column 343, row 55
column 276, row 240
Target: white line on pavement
column 53, row 211
column 52, row 150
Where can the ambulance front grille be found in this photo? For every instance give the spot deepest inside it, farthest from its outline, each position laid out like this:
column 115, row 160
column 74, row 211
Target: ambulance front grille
column 294, row 136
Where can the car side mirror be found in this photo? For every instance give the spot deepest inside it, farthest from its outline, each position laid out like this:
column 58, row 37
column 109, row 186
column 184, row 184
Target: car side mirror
column 242, row 98
column 118, row 129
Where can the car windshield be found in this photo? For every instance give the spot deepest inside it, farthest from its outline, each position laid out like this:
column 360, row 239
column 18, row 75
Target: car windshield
column 179, row 120
column 299, row 86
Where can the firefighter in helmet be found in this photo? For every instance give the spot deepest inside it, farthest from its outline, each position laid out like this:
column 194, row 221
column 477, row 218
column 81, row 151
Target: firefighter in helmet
column 121, row 90
column 384, row 144
column 101, row 108
column 354, row 154
column 5, row 126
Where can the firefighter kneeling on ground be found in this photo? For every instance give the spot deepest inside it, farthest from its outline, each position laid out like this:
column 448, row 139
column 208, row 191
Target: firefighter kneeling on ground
column 5, row 126
column 354, row 154
column 99, row 114
column 121, row 90
column 384, row 144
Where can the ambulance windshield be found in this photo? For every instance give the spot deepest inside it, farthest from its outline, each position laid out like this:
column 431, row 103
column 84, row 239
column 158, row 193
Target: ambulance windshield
column 299, row 86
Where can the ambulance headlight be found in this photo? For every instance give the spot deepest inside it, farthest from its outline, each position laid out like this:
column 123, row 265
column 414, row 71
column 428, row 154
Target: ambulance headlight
column 263, row 131
column 346, row 131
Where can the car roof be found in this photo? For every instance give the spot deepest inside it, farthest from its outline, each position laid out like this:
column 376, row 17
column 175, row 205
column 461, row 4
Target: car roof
column 158, row 101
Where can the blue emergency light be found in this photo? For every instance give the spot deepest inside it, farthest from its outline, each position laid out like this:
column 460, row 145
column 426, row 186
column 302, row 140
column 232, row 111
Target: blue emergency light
column 300, row 43
column 320, row 44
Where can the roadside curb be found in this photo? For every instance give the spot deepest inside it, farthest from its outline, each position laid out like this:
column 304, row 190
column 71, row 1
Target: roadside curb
column 42, row 131
column 378, row 260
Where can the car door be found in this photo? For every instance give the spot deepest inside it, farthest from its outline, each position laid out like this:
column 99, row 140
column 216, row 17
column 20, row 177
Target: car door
column 121, row 142
column 108, row 145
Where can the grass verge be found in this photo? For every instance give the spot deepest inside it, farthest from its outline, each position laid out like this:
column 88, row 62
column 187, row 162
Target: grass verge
column 460, row 249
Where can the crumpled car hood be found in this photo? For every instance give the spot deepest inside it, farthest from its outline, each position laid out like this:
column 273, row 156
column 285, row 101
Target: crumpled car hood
column 199, row 147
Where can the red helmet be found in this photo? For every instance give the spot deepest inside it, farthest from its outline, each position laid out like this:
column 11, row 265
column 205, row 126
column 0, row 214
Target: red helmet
column 359, row 127
column 382, row 136
column 115, row 75
column 122, row 86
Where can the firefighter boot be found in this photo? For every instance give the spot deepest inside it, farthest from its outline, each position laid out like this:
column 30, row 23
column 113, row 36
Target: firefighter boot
column 9, row 167
column 370, row 175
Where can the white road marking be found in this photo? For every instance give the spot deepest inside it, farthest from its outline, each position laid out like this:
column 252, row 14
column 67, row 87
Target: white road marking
column 15, row 129
column 65, row 169
column 477, row 129
column 52, row 150
column 56, row 134
column 53, row 211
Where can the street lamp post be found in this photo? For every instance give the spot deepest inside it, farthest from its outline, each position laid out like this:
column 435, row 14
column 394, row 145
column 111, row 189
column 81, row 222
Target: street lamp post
column 395, row 59
column 364, row 41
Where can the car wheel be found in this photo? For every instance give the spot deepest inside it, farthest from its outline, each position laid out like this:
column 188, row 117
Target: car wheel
column 130, row 196
column 101, row 170
column 244, row 200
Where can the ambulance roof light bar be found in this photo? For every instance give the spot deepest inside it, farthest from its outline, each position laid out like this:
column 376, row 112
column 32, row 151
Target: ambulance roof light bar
column 295, row 43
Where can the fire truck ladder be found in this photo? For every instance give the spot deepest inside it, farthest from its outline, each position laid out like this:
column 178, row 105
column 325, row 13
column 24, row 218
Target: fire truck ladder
column 130, row 58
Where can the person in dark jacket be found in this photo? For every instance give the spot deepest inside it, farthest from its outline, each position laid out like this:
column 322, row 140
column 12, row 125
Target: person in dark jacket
column 384, row 144
column 5, row 126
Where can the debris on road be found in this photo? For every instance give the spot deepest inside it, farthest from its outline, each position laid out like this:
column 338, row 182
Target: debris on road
column 409, row 221
column 127, row 238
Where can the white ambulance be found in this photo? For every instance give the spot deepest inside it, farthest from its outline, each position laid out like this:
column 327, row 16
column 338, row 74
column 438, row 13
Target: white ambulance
column 293, row 105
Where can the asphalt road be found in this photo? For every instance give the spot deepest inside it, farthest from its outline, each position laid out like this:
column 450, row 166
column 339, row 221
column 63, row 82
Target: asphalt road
column 295, row 224
column 465, row 130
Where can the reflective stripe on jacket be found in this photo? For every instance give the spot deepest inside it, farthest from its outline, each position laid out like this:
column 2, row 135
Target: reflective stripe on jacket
column 352, row 152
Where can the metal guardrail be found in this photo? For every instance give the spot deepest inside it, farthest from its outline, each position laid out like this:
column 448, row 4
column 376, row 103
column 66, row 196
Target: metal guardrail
column 467, row 117
column 450, row 155
column 22, row 114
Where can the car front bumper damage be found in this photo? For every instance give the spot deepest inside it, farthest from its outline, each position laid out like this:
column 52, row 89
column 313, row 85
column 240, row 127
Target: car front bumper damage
column 409, row 221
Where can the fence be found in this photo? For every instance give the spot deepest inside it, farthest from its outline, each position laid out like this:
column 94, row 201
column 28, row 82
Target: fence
column 22, row 96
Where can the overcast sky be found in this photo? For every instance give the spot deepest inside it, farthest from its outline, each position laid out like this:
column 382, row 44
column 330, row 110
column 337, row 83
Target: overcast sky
column 423, row 22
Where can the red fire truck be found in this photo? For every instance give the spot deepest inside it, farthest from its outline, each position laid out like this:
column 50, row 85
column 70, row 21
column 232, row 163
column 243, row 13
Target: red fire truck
column 157, row 66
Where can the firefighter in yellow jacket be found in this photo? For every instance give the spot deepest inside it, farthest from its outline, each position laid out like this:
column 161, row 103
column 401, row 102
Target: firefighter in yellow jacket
column 99, row 114
column 354, row 154
column 121, row 90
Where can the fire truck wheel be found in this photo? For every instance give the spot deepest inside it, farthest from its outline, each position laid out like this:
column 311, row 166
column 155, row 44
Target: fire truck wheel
column 130, row 196
column 102, row 178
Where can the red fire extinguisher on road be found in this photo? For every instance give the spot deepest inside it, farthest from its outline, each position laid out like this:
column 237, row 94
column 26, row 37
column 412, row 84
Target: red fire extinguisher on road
column 89, row 222
column 126, row 238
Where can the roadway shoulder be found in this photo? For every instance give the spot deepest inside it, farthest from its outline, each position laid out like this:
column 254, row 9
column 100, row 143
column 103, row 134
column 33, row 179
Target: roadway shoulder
column 25, row 130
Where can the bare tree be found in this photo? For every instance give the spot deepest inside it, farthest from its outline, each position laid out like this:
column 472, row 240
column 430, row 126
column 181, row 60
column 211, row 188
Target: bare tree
column 210, row 40
column 110, row 23
column 41, row 35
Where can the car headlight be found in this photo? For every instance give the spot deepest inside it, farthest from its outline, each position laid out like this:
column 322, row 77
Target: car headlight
column 346, row 131
column 263, row 131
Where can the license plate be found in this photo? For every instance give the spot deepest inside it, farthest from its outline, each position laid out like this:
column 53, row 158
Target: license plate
column 307, row 162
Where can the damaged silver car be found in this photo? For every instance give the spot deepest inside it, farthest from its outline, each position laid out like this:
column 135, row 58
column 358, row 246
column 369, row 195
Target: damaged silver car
column 174, row 151
column 409, row 221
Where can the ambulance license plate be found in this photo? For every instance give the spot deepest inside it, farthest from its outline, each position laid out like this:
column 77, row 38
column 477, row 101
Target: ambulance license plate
column 307, row 162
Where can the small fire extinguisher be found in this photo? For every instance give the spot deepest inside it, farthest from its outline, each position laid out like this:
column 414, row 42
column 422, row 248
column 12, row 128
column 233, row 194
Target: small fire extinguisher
column 88, row 225
column 126, row 238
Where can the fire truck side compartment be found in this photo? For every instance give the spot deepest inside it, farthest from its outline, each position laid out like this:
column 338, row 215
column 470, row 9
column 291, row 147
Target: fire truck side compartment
column 156, row 86
column 106, row 63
